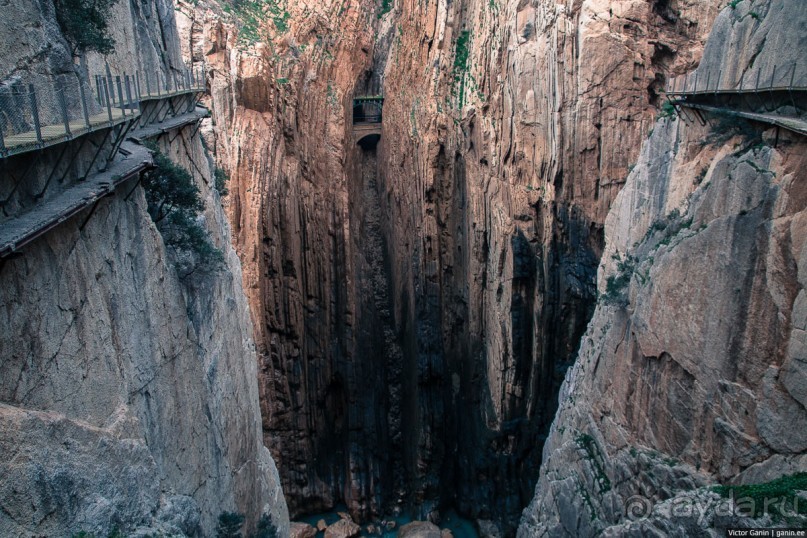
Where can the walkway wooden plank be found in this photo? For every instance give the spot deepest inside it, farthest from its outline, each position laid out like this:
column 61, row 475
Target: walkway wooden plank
column 55, row 134
column 155, row 129
column 737, row 91
column 19, row 231
column 170, row 93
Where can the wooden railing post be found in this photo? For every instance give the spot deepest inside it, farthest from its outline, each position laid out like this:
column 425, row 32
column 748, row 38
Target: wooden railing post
column 148, row 85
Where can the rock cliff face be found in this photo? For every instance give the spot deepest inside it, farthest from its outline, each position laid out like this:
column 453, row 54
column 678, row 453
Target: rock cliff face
column 129, row 395
column 417, row 303
column 691, row 370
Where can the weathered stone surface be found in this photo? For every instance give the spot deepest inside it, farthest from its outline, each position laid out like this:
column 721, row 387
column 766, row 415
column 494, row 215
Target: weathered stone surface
column 128, row 394
column 420, row 529
column 344, row 528
column 433, row 289
column 685, row 375
column 302, row 530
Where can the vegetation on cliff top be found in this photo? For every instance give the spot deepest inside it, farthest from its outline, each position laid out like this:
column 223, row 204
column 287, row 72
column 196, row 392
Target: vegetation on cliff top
column 230, row 524
column 252, row 16
column 778, row 498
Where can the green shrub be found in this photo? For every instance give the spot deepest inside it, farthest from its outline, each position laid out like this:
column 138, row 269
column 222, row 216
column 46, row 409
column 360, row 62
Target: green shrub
column 266, row 528
column 174, row 205
column 616, row 285
column 251, row 16
column 461, row 54
column 230, row 524
column 777, row 497
column 386, row 7
column 221, row 179
column 727, row 126
column 589, row 445
column 84, row 24
column 668, row 110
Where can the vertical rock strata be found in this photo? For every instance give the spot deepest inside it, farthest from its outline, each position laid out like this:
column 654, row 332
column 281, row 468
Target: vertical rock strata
column 691, row 370
column 414, row 325
column 128, row 395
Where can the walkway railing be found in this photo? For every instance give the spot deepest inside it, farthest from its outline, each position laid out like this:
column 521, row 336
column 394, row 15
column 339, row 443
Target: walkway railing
column 368, row 109
column 779, row 98
column 36, row 117
column 780, row 79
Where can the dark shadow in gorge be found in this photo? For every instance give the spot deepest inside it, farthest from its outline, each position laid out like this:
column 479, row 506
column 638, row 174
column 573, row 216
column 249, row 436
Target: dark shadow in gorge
column 406, row 417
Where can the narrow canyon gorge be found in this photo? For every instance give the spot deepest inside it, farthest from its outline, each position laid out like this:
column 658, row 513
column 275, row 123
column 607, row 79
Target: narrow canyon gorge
column 534, row 266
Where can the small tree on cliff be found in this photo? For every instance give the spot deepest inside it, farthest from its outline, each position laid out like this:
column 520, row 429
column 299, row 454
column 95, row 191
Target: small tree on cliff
column 174, row 205
column 85, row 24
column 230, row 524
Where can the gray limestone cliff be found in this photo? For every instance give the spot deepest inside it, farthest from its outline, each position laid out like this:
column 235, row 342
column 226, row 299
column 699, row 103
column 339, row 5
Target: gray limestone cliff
column 128, row 392
column 692, row 370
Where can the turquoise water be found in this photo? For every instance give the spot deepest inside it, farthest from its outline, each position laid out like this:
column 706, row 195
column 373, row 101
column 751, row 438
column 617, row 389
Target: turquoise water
column 459, row 526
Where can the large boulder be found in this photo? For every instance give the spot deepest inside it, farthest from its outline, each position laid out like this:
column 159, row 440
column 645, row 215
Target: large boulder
column 301, row 530
column 420, row 529
column 344, row 528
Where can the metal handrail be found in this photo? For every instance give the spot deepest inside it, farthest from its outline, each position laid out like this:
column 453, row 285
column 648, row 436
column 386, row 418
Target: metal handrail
column 32, row 118
column 692, row 84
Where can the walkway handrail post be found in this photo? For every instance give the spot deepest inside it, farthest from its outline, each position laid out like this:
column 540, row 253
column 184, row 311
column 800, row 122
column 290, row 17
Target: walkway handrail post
column 110, row 85
column 129, row 93
column 770, row 88
column 120, row 96
column 106, row 98
column 35, row 114
column 83, row 95
column 63, row 105
column 148, row 86
column 719, row 78
column 790, row 87
column 137, row 88
column 686, row 80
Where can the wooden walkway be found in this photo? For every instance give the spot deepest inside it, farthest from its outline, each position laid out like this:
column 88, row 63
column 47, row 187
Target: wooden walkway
column 56, row 134
column 155, row 129
column 792, row 123
column 16, row 232
column 19, row 231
